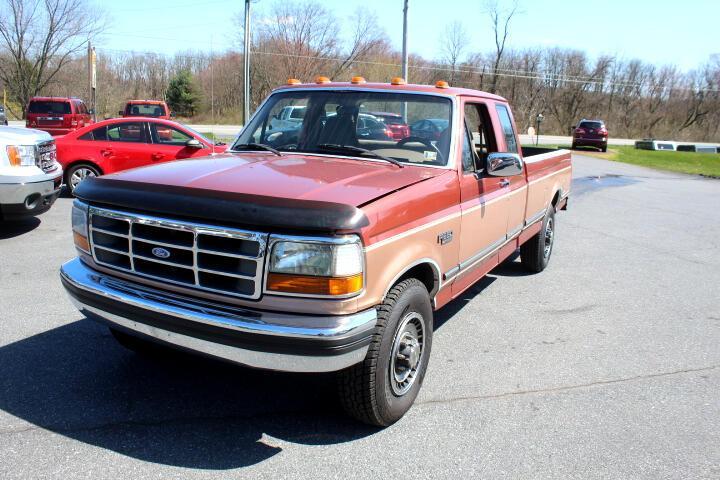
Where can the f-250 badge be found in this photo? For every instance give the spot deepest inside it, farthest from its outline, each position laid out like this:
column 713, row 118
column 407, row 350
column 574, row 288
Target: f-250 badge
column 445, row 237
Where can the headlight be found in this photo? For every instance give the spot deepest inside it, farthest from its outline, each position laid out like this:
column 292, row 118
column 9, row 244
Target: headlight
column 316, row 267
column 80, row 226
column 21, row 155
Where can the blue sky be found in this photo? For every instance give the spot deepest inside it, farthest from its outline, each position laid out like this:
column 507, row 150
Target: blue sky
column 681, row 33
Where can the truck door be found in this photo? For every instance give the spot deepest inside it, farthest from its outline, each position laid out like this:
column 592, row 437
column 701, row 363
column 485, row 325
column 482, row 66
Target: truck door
column 517, row 195
column 483, row 198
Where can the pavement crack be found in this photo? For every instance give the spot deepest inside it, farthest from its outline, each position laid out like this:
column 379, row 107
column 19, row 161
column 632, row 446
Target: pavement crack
column 567, row 387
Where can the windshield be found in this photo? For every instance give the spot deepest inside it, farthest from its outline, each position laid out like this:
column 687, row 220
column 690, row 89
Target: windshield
column 596, row 125
column 325, row 121
column 48, row 107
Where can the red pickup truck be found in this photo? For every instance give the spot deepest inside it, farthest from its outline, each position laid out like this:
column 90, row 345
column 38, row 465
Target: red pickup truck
column 313, row 249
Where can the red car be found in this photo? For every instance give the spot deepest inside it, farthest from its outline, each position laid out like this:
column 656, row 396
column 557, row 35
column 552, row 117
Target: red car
column 395, row 124
column 590, row 133
column 57, row 115
column 121, row 143
column 146, row 108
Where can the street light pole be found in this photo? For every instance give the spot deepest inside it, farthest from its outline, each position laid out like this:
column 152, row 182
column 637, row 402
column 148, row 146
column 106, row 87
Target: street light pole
column 246, row 66
column 405, row 42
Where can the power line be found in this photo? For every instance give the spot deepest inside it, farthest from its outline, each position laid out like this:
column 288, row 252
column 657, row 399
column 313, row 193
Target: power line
column 520, row 74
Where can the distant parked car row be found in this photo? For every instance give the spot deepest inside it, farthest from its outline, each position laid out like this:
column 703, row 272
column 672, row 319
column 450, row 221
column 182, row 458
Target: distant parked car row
column 664, row 145
column 62, row 115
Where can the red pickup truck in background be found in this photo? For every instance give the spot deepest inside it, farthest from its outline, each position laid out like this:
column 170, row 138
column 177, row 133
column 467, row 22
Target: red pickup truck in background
column 146, row 108
column 314, row 249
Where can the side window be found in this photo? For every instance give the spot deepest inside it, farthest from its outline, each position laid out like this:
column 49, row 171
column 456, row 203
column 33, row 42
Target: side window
column 99, row 134
column 127, row 132
column 167, row 135
column 482, row 136
column 468, row 157
column 507, row 128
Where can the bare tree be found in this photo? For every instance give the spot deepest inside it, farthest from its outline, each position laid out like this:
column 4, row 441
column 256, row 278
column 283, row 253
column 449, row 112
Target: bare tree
column 38, row 38
column 453, row 44
column 501, row 28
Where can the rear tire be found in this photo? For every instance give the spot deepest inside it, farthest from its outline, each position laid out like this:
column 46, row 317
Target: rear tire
column 573, row 147
column 382, row 388
column 77, row 173
column 535, row 253
column 604, row 149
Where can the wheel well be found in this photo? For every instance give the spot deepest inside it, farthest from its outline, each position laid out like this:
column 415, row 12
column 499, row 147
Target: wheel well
column 426, row 273
column 555, row 199
column 83, row 162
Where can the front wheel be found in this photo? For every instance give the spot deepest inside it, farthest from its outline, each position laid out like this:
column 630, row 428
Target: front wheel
column 535, row 253
column 384, row 386
column 78, row 173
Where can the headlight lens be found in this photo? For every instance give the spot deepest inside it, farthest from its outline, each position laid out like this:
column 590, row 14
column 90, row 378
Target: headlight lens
column 316, row 268
column 80, row 226
column 21, row 155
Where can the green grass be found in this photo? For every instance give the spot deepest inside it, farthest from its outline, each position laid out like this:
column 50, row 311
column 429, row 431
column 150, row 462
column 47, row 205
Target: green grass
column 707, row 164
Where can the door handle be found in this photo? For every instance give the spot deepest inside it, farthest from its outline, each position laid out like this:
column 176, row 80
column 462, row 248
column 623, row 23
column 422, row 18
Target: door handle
column 504, row 183
column 158, row 156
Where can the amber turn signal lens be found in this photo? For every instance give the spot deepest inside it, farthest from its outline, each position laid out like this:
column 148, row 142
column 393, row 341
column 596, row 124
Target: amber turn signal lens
column 442, row 84
column 398, row 81
column 310, row 285
column 293, row 81
column 81, row 242
column 322, row 80
column 14, row 156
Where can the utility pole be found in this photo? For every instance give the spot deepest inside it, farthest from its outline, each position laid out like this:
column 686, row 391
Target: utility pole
column 405, row 43
column 92, row 77
column 246, row 67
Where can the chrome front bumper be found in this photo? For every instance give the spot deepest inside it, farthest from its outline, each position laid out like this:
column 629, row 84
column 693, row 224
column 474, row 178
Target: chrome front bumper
column 260, row 339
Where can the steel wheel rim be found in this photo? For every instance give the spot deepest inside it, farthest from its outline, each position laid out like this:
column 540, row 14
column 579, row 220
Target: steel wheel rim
column 79, row 175
column 407, row 353
column 549, row 237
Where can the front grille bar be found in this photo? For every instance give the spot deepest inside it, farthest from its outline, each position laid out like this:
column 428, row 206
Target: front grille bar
column 116, row 246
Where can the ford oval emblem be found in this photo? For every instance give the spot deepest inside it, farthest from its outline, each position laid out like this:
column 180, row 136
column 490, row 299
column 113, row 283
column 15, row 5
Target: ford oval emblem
column 160, row 252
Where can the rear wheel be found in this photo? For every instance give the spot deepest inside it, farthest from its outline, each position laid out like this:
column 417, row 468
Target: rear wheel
column 604, row 148
column 535, row 253
column 573, row 147
column 78, row 173
column 384, row 386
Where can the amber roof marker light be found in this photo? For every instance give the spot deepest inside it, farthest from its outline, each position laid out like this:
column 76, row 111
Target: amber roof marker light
column 357, row 80
column 293, row 81
column 398, row 81
column 442, row 84
column 321, row 80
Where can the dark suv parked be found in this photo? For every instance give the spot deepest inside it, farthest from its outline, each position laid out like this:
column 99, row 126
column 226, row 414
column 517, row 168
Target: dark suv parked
column 3, row 117
column 590, row 133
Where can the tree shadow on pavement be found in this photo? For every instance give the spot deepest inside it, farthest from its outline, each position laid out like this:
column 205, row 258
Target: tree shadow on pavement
column 182, row 410
column 15, row 228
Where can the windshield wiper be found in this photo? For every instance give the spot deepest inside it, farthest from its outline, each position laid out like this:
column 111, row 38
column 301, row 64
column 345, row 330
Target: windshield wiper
column 257, row 146
column 360, row 150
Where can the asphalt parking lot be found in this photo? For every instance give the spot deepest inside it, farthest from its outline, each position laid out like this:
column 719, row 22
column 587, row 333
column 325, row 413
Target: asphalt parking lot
column 606, row 365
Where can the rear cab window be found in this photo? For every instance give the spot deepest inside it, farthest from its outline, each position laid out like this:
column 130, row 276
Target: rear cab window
column 145, row 110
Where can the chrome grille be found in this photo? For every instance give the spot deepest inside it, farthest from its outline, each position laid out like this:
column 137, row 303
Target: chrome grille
column 216, row 259
column 46, row 156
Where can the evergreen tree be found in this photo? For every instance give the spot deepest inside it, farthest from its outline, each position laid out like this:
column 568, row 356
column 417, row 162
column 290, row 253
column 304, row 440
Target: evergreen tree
column 182, row 95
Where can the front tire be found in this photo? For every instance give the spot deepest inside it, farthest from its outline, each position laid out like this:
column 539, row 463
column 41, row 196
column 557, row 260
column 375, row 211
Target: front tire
column 381, row 389
column 535, row 253
column 77, row 173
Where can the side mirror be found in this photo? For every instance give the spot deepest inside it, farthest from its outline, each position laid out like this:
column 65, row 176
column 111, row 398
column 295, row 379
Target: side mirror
column 91, row 111
column 172, row 114
column 503, row 164
column 121, row 113
column 193, row 143
column 574, row 127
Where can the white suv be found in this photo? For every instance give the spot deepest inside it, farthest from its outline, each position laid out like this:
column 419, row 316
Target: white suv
column 30, row 176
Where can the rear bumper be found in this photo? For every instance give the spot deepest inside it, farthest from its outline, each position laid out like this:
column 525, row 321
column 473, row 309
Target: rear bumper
column 255, row 338
column 28, row 199
column 590, row 142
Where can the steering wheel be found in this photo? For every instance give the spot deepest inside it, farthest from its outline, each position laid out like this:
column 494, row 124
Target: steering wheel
column 424, row 141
